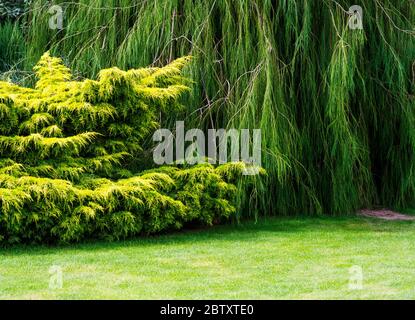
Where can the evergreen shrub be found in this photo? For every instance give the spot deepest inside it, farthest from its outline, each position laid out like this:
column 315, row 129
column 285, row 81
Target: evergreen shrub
column 68, row 155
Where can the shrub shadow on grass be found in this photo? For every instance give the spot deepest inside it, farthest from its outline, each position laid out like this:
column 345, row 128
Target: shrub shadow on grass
column 245, row 231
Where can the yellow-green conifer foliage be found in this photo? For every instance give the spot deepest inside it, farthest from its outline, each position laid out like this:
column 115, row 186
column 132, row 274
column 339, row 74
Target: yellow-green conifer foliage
column 68, row 151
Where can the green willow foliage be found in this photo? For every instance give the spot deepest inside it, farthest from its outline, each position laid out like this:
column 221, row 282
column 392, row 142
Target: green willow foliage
column 68, row 151
column 11, row 35
column 336, row 106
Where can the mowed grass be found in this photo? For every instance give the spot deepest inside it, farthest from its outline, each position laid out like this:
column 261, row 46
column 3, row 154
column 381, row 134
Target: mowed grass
column 285, row 258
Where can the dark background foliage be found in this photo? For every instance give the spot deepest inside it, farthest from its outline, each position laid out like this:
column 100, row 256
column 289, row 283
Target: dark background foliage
column 12, row 9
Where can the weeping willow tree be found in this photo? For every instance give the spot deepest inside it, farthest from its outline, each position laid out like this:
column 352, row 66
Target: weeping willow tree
column 335, row 104
column 69, row 152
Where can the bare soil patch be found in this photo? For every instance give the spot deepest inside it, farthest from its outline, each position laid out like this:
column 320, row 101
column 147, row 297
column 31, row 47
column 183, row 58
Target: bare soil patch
column 385, row 214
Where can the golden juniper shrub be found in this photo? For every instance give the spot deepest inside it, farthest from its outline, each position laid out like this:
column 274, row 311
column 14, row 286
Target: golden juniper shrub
column 67, row 153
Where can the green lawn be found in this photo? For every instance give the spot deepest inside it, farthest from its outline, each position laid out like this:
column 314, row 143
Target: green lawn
column 300, row 258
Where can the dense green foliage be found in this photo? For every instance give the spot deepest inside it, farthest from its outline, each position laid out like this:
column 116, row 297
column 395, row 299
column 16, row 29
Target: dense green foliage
column 11, row 34
column 336, row 105
column 12, row 9
column 69, row 152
